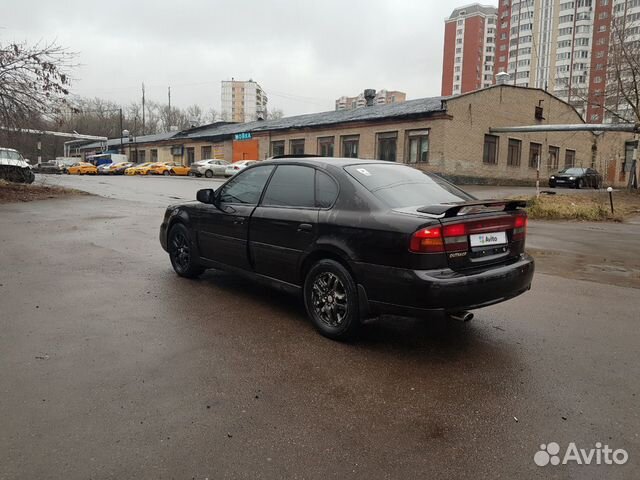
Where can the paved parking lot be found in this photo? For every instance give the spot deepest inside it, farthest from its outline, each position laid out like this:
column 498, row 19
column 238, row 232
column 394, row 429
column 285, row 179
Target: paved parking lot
column 112, row 367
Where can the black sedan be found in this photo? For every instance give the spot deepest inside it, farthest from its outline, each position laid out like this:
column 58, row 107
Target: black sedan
column 355, row 238
column 576, row 177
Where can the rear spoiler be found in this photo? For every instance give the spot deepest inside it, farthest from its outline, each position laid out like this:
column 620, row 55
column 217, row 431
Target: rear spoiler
column 453, row 209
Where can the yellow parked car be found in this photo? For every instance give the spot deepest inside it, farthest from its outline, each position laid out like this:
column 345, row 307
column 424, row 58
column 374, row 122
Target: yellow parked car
column 133, row 170
column 145, row 168
column 82, row 168
column 169, row 168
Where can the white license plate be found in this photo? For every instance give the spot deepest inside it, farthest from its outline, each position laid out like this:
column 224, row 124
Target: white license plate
column 488, row 239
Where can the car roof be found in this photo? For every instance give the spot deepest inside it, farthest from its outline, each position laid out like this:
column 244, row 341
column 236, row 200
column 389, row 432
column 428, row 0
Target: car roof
column 330, row 161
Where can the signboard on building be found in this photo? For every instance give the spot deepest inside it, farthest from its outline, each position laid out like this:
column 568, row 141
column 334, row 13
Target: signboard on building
column 218, row 151
column 242, row 136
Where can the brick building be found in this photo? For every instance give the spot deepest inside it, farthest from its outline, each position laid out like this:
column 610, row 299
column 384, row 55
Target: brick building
column 383, row 97
column 446, row 135
column 469, row 49
column 562, row 46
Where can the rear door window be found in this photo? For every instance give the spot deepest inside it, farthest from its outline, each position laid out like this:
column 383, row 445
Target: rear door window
column 291, row 186
column 400, row 186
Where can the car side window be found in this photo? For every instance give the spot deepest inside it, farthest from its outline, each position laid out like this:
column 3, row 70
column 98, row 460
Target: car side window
column 326, row 190
column 246, row 187
column 291, row 186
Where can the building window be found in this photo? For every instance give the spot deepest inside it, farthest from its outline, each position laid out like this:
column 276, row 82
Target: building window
column 554, row 153
column 490, row 153
column 325, row 146
column 535, row 149
column 205, row 152
column 350, row 146
column 277, row 148
column 154, row 155
column 569, row 158
column 513, row 152
column 418, row 146
column 296, row 147
column 387, row 146
column 191, row 154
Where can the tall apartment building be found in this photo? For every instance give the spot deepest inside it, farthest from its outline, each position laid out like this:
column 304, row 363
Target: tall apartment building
column 383, row 97
column 558, row 45
column 469, row 49
column 243, row 101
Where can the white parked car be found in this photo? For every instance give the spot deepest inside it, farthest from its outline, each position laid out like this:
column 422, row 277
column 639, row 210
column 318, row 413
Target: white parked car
column 104, row 168
column 209, row 168
column 236, row 167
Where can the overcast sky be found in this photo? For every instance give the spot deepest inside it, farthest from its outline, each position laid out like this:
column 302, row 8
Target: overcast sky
column 304, row 53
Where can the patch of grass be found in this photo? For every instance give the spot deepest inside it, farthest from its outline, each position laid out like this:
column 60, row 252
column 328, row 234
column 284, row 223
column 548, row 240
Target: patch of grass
column 19, row 192
column 587, row 207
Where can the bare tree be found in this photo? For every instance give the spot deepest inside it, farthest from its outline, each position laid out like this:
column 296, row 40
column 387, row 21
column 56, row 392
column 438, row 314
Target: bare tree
column 173, row 117
column 34, row 79
column 619, row 96
column 622, row 93
column 195, row 115
column 212, row 116
column 274, row 114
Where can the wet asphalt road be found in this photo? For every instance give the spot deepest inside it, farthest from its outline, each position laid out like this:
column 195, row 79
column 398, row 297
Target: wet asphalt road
column 112, row 367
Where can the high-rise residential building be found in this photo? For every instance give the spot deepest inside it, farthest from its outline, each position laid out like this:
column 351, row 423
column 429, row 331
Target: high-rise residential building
column 469, row 49
column 243, row 101
column 558, row 45
column 383, row 97
column 562, row 46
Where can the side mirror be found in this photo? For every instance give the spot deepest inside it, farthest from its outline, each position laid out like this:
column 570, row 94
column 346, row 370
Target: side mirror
column 206, row 195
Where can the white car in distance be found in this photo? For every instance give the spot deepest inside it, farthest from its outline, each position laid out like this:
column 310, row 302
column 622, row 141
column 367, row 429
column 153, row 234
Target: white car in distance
column 209, row 167
column 236, row 167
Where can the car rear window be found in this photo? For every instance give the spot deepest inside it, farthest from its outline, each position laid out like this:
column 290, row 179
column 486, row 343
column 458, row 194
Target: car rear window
column 401, row 186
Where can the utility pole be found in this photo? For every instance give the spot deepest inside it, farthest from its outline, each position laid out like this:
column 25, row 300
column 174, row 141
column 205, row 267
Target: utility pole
column 121, row 129
column 143, row 117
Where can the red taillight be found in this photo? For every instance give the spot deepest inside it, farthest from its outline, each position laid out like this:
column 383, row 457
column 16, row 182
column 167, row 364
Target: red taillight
column 455, row 237
column 455, row 230
column 427, row 240
column 520, row 227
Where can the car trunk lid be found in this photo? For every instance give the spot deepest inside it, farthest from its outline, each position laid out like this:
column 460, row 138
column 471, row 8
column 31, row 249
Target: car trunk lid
column 474, row 234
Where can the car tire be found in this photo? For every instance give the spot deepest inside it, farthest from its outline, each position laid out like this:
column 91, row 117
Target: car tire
column 578, row 184
column 329, row 289
column 208, row 174
column 182, row 252
column 166, row 173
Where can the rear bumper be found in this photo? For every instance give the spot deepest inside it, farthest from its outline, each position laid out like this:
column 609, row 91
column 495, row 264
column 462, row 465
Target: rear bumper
column 417, row 292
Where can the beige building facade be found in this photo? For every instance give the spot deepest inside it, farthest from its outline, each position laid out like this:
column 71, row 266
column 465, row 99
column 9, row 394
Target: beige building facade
column 450, row 136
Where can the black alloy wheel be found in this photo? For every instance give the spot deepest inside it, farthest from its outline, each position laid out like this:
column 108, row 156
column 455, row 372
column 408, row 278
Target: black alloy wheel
column 331, row 300
column 181, row 252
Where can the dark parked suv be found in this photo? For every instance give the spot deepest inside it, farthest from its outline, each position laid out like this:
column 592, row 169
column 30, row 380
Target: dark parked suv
column 357, row 238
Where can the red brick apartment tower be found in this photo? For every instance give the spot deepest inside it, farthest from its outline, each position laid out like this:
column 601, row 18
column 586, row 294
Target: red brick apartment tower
column 599, row 54
column 469, row 49
column 503, row 26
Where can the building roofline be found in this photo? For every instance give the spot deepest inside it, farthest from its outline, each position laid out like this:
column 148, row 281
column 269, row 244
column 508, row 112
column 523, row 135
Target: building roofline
column 506, row 85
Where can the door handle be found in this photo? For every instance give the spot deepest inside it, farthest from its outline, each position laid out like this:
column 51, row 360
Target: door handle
column 305, row 227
